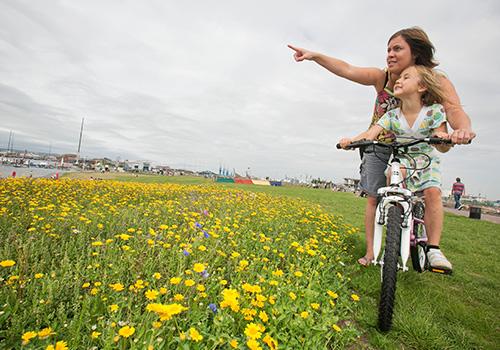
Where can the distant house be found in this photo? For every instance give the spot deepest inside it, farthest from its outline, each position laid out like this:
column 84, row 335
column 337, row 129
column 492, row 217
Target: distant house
column 351, row 184
column 137, row 165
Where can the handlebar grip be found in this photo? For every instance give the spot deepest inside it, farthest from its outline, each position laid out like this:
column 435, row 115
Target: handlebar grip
column 339, row 146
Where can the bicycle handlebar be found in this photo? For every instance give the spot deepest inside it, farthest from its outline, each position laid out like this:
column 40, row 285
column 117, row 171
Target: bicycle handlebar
column 395, row 144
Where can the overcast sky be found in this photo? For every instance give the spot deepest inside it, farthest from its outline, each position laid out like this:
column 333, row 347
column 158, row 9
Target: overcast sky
column 197, row 83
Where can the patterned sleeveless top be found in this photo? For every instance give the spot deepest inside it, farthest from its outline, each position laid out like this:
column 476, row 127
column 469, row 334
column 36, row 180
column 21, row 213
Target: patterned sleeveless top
column 385, row 102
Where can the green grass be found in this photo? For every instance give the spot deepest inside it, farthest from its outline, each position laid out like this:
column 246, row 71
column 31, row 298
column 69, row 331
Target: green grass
column 432, row 311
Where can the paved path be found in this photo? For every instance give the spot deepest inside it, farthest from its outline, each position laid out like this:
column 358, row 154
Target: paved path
column 465, row 212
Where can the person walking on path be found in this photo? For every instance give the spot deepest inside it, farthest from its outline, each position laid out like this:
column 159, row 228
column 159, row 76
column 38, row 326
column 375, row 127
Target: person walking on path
column 458, row 191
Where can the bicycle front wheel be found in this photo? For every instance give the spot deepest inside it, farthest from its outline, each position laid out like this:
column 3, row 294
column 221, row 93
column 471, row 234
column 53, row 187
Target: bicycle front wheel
column 390, row 269
column 417, row 252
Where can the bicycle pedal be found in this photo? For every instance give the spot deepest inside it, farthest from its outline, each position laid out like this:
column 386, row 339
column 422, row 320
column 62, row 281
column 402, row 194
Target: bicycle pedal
column 441, row 271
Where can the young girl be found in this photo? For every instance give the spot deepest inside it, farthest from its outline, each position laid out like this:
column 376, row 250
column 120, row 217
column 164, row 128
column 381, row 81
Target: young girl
column 419, row 115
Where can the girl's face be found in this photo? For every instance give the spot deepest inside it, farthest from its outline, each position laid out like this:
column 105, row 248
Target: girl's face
column 408, row 83
column 399, row 55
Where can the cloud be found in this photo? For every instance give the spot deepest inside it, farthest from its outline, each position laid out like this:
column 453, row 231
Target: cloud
column 198, row 83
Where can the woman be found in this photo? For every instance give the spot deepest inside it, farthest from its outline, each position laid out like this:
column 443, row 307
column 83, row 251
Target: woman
column 405, row 48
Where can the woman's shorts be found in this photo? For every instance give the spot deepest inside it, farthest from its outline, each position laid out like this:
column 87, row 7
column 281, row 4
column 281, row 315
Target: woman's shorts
column 372, row 169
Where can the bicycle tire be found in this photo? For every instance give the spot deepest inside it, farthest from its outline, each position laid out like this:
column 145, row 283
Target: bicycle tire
column 390, row 268
column 417, row 252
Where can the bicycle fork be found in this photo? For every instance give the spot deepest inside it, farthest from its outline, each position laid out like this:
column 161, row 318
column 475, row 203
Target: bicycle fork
column 398, row 196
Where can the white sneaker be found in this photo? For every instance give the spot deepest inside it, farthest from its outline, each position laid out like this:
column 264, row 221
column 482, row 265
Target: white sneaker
column 438, row 260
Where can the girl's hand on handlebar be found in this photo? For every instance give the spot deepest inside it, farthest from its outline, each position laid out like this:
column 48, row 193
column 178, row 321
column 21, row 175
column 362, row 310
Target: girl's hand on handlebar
column 442, row 147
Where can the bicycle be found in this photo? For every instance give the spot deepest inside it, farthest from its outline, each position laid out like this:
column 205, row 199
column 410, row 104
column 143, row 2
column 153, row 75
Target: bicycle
column 402, row 212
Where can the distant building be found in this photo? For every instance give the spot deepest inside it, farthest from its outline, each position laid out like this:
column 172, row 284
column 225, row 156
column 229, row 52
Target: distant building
column 138, row 165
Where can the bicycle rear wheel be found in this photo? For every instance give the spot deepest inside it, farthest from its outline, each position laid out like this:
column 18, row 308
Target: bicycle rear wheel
column 417, row 252
column 390, row 269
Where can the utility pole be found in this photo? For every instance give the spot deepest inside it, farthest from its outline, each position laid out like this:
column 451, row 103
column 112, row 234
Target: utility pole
column 79, row 142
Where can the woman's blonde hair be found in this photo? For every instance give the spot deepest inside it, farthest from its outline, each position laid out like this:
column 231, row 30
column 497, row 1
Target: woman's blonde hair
column 430, row 80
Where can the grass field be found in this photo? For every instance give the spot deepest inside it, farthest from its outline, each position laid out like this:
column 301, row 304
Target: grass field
column 431, row 312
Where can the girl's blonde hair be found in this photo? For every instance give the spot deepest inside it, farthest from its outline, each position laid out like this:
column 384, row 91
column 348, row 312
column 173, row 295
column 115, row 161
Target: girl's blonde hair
column 429, row 79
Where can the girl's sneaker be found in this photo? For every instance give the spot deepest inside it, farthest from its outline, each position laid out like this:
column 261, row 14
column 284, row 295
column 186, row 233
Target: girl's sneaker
column 438, row 260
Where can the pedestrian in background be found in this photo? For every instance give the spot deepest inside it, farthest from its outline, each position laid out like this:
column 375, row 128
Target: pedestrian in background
column 458, row 191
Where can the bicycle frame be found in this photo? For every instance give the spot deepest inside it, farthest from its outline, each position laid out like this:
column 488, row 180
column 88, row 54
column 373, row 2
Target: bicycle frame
column 394, row 194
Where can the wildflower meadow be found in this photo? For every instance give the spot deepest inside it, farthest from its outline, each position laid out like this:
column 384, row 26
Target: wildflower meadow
column 113, row 265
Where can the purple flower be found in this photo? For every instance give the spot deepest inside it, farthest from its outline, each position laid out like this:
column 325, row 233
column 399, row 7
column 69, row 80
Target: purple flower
column 197, row 224
column 185, row 252
column 205, row 234
column 212, row 307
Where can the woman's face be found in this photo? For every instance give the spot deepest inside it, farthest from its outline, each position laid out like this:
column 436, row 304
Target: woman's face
column 399, row 55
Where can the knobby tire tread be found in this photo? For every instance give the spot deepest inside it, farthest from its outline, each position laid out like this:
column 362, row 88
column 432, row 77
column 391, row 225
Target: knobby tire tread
column 418, row 229
column 390, row 269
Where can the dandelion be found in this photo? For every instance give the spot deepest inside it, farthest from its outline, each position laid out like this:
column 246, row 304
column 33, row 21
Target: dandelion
column 193, row 333
column 355, row 297
column 126, row 331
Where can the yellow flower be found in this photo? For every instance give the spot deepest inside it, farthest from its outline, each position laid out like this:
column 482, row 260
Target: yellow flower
column 355, row 297
column 293, row 296
column 157, row 275
column 234, row 343
column 193, row 333
column 263, row 316
column 200, row 287
column 117, row 286
column 7, row 263
column 39, row 275
column 189, row 283
column 113, row 308
column 175, row 280
column 86, row 285
column 315, row 306
column 126, row 331
column 270, row 342
column 253, row 344
column 199, row 268
column 304, row 314
column 97, row 243
column 28, row 335
column 223, row 282
column 95, row 335
column 254, row 331
column 178, row 297
column 151, row 294
column 163, row 290
column 336, row 328
column 61, row 345
column 298, row 274
column 45, row 333
column 333, row 295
